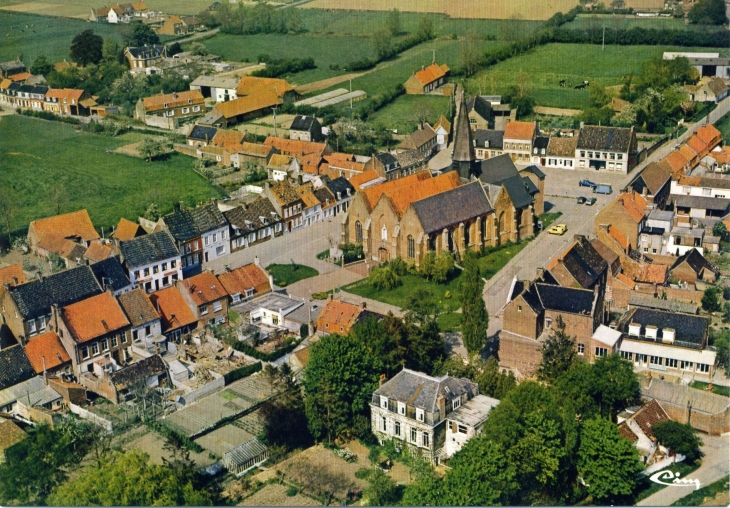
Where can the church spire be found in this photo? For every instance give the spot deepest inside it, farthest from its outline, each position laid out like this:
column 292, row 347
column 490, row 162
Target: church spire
column 462, row 156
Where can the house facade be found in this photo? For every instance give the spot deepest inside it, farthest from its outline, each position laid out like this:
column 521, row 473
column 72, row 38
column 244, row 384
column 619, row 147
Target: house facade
column 217, row 88
column 306, row 128
column 146, row 325
column 178, row 319
column 207, row 297
column 167, row 110
column 144, row 57
column 427, row 79
column 606, row 149
column 200, row 234
column 253, row 223
column 287, row 203
column 560, row 152
column 152, row 261
column 246, row 282
column 488, row 143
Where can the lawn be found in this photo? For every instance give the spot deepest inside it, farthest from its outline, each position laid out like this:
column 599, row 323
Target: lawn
column 723, row 125
column 718, row 389
column 38, row 155
column 403, row 113
column 698, row 497
column 545, row 66
column 495, row 259
column 44, row 35
column 285, row 275
column 611, row 22
column 650, row 487
column 548, row 218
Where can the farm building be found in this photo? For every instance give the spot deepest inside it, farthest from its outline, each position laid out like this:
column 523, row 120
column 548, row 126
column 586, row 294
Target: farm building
column 427, row 79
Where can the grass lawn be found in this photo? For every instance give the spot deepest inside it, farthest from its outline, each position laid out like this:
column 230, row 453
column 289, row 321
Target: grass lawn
column 403, row 113
column 494, row 261
column 45, row 35
column 285, row 275
column 38, row 155
column 450, row 322
column 548, row 218
column 698, row 497
column 546, row 65
column 611, row 22
column 720, row 390
column 650, row 487
column 723, row 125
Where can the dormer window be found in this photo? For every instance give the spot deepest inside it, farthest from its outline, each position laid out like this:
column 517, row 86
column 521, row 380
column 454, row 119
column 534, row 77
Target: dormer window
column 190, row 101
column 164, row 105
column 456, row 403
column 419, row 415
column 384, row 402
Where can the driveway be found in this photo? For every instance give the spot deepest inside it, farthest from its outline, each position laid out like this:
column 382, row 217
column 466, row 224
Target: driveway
column 715, row 465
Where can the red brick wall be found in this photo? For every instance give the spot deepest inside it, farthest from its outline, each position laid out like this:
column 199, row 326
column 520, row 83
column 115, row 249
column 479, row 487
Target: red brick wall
column 519, row 353
column 521, row 322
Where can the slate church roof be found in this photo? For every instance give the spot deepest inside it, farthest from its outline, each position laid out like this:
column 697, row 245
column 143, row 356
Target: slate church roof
column 452, row 207
column 500, row 170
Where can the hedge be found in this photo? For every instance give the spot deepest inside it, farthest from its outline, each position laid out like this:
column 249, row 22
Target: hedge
column 265, row 357
column 47, row 115
column 173, row 436
column 242, row 372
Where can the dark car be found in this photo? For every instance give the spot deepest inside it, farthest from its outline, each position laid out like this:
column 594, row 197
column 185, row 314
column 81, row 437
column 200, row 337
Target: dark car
column 602, row 189
column 581, row 200
column 586, row 183
column 590, row 201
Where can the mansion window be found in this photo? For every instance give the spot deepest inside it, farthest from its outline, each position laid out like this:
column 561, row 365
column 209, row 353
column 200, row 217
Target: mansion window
column 581, row 348
column 456, row 403
column 413, row 435
column 411, row 247
column 425, row 439
column 601, row 351
column 383, row 400
column 419, row 415
column 384, row 421
column 396, row 429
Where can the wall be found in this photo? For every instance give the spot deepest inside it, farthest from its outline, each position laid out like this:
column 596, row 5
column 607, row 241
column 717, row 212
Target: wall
column 218, row 383
column 519, row 353
column 683, row 295
column 38, row 415
column 88, row 415
column 163, row 122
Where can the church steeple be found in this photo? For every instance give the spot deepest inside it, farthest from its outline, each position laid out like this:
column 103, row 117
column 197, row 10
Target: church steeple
column 462, row 156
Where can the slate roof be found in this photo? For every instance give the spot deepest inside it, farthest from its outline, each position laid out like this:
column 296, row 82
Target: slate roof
column 137, row 307
column 185, row 225
column 14, row 366
column 500, row 170
column 46, row 347
column 340, row 185
column 612, row 139
column 561, row 147
column 541, row 143
column 149, row 249
column 582, row 261
column 489, row 138
column 419, row 138
column 562, row 299
column 138, row 372
column 248, row 218
column 115, row 277
column 303, row 123
column 421, row 391
column 701, row 202
column 481, row 106
column 463, row 147
column 147, row 52
column 35, row 298
column 691, row 330
column 202, row 132
column 696, row 261
column 452, row 207
column 388, row 161
column 534, row 170
column 648, row 301
column 409, row 158
column 323, row 194
column 530, row 186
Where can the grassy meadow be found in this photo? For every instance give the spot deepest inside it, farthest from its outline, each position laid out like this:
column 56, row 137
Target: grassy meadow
column 403, row 113
column 109, row 186
column 82, row 8
column 611, row 22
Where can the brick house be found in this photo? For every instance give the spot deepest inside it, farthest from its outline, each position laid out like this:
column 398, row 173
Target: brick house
column 200, row 234
column 412, row 410
column 173, row 25
column 245, row 282
column 693, row 266
column 143, row 317
column 606, row 148
column 479, row 111
column 167, row 110
column 95, row 333
column 66, row 101
column 152, row 261
column 201, row 135
column 532, row 312
column 145, row 374
column 74, row 226
column 12, row 275
column 519, row 138
column 654, row 184
column 427, row 79
column 47, row 355
column 627, row 213
column 178, row 319
column 26, row 308
column 422, row 139
column 253, row 223
column 287, row 203
column 207, row 297
column 339, row 317
column 306, row 128
column 242, row 109
column 537, row 177
column 579, row 266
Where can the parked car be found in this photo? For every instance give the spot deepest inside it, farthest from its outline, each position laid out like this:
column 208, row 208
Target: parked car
column 581, row 200
column 558, row 229
column 591, row 201
column 586, row 183
column 602, row 189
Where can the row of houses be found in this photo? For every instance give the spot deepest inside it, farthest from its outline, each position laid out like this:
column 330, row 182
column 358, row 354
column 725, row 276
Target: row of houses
column 39, row 97
column 121, row 13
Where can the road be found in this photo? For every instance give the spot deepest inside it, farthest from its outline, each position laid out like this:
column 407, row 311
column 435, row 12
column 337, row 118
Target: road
column 195, row 37
column 715, row 465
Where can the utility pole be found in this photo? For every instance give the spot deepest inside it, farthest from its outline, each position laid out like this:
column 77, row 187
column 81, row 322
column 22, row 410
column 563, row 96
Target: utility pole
column 274, row 109
column 350, row 93
column 603, row 42
column 433, row 61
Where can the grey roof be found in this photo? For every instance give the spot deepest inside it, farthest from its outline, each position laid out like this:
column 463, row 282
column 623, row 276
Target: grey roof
column 244, row 220
column 387, row 160
column 304, row 123
column 138, row 307
column 302, row 314
column 340, row 184
column 114, row 275
column 489, row 138
column 452, row 207
column 584, row 263
column 562, row 299
column 475, row 411
column 500, row 170
column 463, row 148
column 31, row 392
column 691, row 330
column 147, row 52
column 138, row 372
column 272, row 301
column 613, row 139
column 12, row 65
column 661, row 215
column 409, row 158
column 421, row 390
column 534, row 170
column 702, row 202
column 530, row 186
column 480, row 105
column 679, row 395
column 14, row 366
column 148, row 249
column 35, row 298
column 612, row 259
column 648, row 301
column 187, row 224
column 245, row 452
column 34, row 89
column 541, row 143
column 696, row 261
column 203, row 132
column 216, row 82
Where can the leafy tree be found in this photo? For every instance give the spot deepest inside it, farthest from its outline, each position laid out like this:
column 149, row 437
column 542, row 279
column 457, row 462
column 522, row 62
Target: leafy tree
column 680, row 438
column 614, row 384
column 41, row 66
column 285, row 421
column 608, row 463
column 598, row 95
column 341, row 376
column 722, row 346
column 471, row 55
column 139, row 34
column 475, row 318
column 86, row 48
column 381, row 489
column 425, row 29
column 112, row 52
column 719, row 229
column 392, row 22
column 152, row 213
column 199, row 49
column 576, row 385
column 708, row 12
column 710, row 299
column 492, row 382
column 558, row 353
column 131, row 481
column 150, row 148
column 427, row 264
column 426, row 489
column 426, row 345
column 596, row 116
column 443, row 267
column 386, row 339
column 383, row 44
column 384, row 278
column 8, row 208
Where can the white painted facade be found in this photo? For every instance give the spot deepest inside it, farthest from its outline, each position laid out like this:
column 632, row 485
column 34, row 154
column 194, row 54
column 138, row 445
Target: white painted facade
column 708, row 192
column 215, row 244
column 157, row 275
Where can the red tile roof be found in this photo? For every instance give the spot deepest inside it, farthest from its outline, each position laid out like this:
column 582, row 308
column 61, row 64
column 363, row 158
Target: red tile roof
column 229, row 139
column 67, row 225
column 372, row 194
column 295, row 146
column 246, row 277
column 251, row 85
column 431, row 73
column 12, row 275
column 648, row 416
column 174, row 311
column 519, row 130
column 98, row 251
column 21, row 76
column 634, row 203
column 619, row 237
column 173, row 100
column 46, row 347
column 696, row 144
column 709, row 134
column 247, row 104
column 364, row 177
column 676, row 160
column 65, row 93
column 126, row 230
column 94, row 317
column 404, row 196
column 625, row 280
column 203, row 288
column 338, row 317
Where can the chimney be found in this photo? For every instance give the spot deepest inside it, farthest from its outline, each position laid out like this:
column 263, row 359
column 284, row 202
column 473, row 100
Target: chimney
column 382, row 380
column 256, row 261
column 45, row 375
column 7, row 286
column 364, row 305
column 539, row 272
column 604, row 227
column 579, row 238
column 441, row 403
column 330, row 298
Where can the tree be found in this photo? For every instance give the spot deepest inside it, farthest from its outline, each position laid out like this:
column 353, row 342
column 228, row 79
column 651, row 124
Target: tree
column 614, row 384
column 608, row 463
column 680, row 438
column 708, row 12
column 392, row 22
column 384, row 278
column 598, row 95
column 381, row 489
column 41, row 66
column 341, row 376
column 285, row 421
column 386, row 339
column 426, row 489
column 86, row 48
column 425, row 29
column 150, row 148
column 427, row 264
column 471, row 55
column 617, row 4
column 383, row 44
column 199, row 49
column 443, row 266
column 426, row 345
column 130, row 480
column 722, row 346
column 492, row 382
column 58, row 195
column 710, row 299
column 558, row 353
column 475, row 318
column 719, row 229
column 111, row 51
column 576, row 385
column 8, row 208
column 139, row 34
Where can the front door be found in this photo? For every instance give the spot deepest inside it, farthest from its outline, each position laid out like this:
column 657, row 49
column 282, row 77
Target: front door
column 383, row 254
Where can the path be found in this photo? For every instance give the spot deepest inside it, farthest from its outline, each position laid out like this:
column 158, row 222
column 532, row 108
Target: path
column 542, row 110
column 199, row 35
column 715, row 465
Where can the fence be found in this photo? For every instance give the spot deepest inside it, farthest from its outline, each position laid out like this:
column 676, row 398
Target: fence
column 88, row 415
column 204, row 390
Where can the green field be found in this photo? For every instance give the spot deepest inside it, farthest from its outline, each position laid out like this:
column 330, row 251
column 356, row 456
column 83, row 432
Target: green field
column 285, row 275
column 403, row 114
column 723, row 125
column 37, row 155
column 598, row 21
column 364, row 23
column 546, row 65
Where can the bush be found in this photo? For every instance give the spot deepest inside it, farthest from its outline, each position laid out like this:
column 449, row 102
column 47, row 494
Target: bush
column 47, row 115
column 279, row 67
column 173, row 436
column 726, row 293
column 264, row 357
column 291, row 491
column 362, row 474
column 384, row 278
column 242, row 372
column 320, row 295
column 399, row 267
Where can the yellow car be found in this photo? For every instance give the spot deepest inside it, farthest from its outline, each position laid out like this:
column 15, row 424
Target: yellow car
column 558, row 229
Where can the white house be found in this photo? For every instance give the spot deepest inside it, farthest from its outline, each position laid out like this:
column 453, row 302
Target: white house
column 217, row 88
column 466, row 422
column 606, row 148
column 442, row 128
column 561, row 153
column 271, row 309
column 152, row 261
